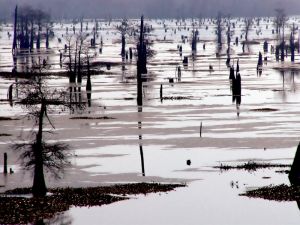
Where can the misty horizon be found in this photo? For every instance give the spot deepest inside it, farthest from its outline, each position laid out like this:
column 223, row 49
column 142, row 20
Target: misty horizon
column 152, row 9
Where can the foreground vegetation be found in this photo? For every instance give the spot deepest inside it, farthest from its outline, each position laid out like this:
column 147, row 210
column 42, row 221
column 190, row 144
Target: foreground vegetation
column 281, row 192
column 18, row 208
column 251, row 166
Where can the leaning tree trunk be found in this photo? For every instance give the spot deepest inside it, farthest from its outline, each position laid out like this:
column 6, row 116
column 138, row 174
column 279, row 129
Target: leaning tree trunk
column 39, row 188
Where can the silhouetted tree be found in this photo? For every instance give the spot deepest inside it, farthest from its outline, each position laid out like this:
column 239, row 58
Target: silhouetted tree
column 201, row 21
column 248, row 23
column 28, row 25
column 229, row 35
column 78, row 55
column 141, row 62
column 39, row 100
column 194, row 38
column 260, row 60
column 76, row 45
column 292, row 47
column 81, row 24
column 279, row 20
column 219, row 29
column 231, row 73
column 292, row 43
column 15, row 29
column 266, row 46
column 39, row 155
column 125, row 29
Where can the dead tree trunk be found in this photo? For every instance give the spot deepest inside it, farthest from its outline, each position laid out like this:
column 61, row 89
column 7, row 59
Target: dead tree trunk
column 282, row 47
column 31, row 36
column 89, row 84
column 282, row 44
column 72, row 74
column 38, row 40
column 292, row 47
column 140, row 65
column 15, row 30
column 79, row 76
column 123, row 45
column 219, row 30
column 5, row 163
column 27, row 43
column 141, row 149
column 47, row 38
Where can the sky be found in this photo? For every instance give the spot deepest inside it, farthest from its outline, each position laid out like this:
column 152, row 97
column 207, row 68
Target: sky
column 153, row 8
